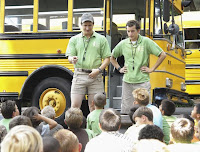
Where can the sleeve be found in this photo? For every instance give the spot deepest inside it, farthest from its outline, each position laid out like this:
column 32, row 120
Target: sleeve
column 45, row 130
column 153, row 48
column 105, row 49
column 71, row 49
column 117, row 51
column 88, row 123
column 90, row 133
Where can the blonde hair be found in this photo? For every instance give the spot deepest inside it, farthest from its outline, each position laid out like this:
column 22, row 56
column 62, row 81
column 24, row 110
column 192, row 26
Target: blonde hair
column 67, row 139
column 141, row 95
column 23, row 139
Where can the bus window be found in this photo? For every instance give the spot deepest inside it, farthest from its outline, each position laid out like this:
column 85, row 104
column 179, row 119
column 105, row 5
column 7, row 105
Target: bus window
column 93, row 7
column 192, row 38
column 52, row 15
column 18, row 16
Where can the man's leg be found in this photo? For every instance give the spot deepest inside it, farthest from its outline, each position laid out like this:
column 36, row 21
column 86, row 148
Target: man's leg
column 90, row 99
column 127, row 97
column 76, row 100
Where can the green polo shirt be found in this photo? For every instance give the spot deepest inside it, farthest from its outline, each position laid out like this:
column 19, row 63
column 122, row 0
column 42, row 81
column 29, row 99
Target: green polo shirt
column 136, row 55
column 97, row 48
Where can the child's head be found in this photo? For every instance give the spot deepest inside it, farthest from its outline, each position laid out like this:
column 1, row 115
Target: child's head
column 151, row 132
column 49, row 112
column 22, row 138
column 30, row 112
column 100, row 100
column 20, row 120
column 132, row 111
column 143, row 115
column 68, row 141
column 3, row 132
column 74, row 118
column 110, row 120
column 167, row 107
column 196, row 112
column 9, row 109
column 51, row 144
column 141, row 96
column 182, row 130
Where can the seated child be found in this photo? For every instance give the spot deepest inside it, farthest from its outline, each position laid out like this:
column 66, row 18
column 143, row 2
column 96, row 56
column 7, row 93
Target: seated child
column 20, row 120
column 93, row 117
column 51, row 144
column 167, row 108
column 36, row 118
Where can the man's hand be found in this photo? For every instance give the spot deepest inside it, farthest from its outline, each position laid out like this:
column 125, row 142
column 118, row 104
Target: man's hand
column 94, row 73
column 123, row 70
column 146, row 69
column 73, row 59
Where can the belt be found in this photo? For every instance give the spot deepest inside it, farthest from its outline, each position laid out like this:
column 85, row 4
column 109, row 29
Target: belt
column 83, row 70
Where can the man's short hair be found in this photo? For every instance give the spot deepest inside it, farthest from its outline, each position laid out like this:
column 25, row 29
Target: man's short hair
column 67, row 139
column 20, row 120
column 50, row 144
column 110, row 120
column 7, row 108
column 182, row 130
column 151, row 132
column 143, row 111
column 132, row 111
column 133, row 23
column 187, row 117
column 30, row 112
column 168, row 107
column 74, row 118
column 49, row 112
column 141, row 95
column 99, row 100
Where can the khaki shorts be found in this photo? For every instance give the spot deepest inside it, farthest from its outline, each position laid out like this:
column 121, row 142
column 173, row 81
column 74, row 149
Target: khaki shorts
column 83, row 84
column 127, row 97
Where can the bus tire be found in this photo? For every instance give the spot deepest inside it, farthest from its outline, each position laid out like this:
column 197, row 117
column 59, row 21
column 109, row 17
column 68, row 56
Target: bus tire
column 53, row 91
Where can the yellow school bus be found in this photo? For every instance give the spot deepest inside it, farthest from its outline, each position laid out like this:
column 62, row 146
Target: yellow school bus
column 191, row 27
column 34, row 35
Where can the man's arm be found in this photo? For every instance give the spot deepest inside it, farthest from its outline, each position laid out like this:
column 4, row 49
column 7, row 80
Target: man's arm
column 95, row 72
column 117, row 66
column 158, row 62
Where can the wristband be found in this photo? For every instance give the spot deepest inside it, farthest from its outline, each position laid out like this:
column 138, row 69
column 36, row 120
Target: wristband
column 100, row 71
column 118, row 68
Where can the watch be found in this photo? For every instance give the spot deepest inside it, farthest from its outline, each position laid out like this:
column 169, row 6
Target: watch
column 118, row 68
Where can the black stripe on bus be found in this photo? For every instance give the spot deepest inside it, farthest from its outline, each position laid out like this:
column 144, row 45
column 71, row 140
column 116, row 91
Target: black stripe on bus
column 192, row 82
column 32, row 56
column 9, row 94
column 192, row 66
column 52, row 35
column 13, row 73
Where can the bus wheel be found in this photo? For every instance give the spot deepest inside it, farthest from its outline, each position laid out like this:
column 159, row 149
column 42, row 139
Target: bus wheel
column 53, row 91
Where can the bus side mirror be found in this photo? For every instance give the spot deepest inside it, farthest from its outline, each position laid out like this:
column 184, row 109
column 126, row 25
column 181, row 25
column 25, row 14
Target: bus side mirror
column 166, row 29
column 166, row 10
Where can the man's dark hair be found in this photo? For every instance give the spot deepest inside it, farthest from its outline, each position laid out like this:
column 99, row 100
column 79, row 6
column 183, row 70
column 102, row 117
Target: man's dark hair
column 187, row 117
column 168, row 107
column 110, row 120
column 133, row 23
column 30, row 112
column 7, row 108
column 151, row 132
column 198, row 108
column 50, row 144
column 20, row 120
column 132, row 111
column 143, row 111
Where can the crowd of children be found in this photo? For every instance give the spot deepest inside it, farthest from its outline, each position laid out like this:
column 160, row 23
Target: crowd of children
column 153, row 130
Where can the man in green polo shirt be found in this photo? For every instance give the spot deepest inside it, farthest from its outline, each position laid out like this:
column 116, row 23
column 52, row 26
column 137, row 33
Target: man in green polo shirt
column 136, row 51
column 86, row 51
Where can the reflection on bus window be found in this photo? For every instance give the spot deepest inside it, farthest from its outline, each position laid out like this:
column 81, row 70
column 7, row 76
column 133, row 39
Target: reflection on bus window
column 52, row 15
column 18, row 18
column 192, row 38
column 90, row 7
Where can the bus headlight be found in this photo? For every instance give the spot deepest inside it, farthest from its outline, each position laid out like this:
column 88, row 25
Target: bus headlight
column 169, row 82
column 183, row 86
